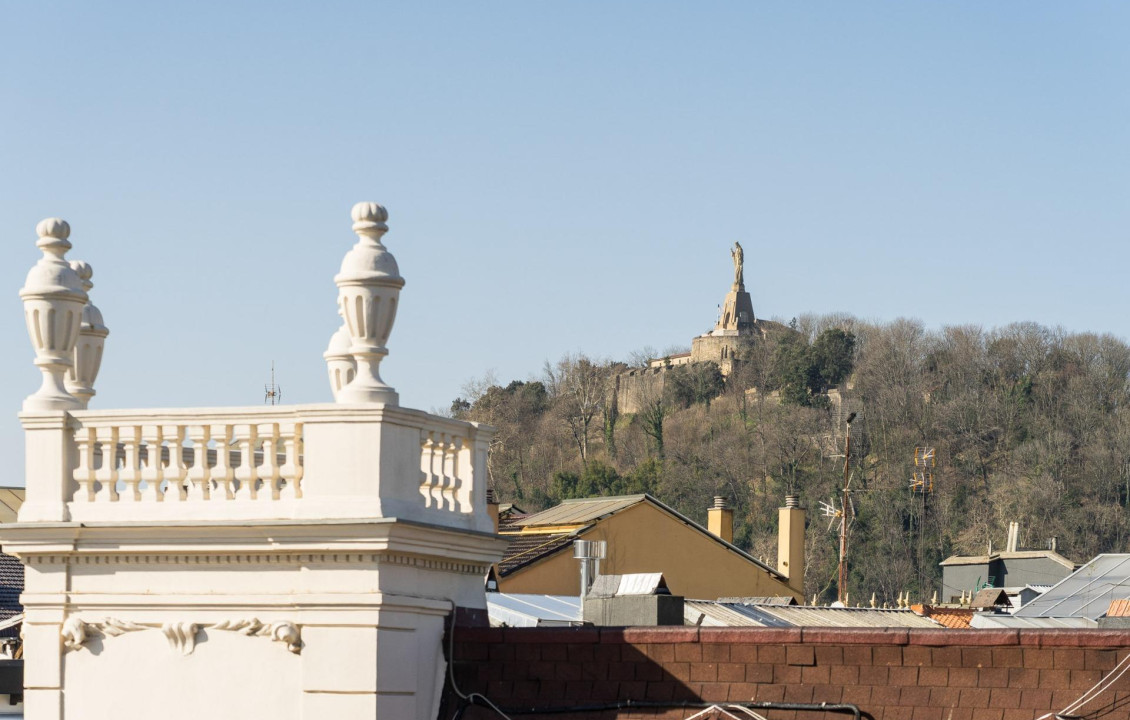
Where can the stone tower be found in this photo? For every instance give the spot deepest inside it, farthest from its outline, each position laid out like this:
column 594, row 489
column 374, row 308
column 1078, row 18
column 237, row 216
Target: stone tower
column 736, row 326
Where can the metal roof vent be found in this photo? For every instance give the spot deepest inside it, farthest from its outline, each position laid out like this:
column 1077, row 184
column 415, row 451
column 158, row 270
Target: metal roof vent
column 590, row 553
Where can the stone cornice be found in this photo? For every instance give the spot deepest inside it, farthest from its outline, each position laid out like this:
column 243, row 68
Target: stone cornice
column 282, row 558
column 388, row 542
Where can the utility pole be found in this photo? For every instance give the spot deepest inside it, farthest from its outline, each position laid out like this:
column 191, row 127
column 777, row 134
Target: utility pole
column 841, row 591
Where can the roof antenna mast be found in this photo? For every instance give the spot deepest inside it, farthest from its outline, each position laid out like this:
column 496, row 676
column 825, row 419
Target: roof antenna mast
column 272, row 394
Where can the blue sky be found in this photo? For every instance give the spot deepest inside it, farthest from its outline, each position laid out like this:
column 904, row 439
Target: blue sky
column 559, row 177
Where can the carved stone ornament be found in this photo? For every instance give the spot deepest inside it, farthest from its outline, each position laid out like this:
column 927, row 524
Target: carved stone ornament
column 91, row 341
column 53, row 299
column 181, row 635
column 368, row 292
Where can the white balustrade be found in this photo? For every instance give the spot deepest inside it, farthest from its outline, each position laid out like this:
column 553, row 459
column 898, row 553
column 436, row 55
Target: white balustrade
column 250, row 463
column 186, row 457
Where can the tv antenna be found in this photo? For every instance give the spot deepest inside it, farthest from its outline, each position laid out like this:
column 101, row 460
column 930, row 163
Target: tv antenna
column 845, row 513
column 922, row 483
column 925, row 458
column 272, row 394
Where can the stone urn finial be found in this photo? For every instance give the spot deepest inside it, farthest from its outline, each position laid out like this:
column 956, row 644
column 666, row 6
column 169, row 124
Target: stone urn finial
column 91, row 341
column 54, row 299
column 368, row 292
column 339, row 361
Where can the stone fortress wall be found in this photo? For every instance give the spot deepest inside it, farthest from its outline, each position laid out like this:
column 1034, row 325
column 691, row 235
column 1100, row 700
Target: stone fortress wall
column 734, row 335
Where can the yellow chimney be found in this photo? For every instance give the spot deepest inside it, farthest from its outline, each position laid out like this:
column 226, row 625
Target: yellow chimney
column 720, row 519
column 790, row 542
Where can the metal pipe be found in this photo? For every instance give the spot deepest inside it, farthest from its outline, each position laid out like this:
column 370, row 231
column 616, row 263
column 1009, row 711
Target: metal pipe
column 845, row 708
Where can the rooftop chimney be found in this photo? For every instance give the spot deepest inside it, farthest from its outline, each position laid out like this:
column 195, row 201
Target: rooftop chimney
column 1013, row 536
column 720, row 519
column 492, row 507
column 790, row 542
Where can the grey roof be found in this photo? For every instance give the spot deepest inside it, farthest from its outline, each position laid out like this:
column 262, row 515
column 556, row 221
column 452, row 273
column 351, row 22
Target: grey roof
column 994, row 621
column 578, row 512
column 1015, row 555
column 1086, row 593
column 533, row 610
column 716, row 614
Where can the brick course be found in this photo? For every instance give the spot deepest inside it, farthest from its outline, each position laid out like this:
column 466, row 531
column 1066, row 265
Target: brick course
column 889, row 674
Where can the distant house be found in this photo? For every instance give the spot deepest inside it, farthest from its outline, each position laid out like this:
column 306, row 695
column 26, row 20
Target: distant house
column 1012, row 569
column 643, row 535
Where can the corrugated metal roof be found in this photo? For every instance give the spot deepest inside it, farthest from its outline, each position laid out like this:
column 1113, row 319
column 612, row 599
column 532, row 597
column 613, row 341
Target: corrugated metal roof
column 533, row 610
column 1086, row 593
column 714, row 614
column 994, row 621
column 629, row 584
column 578, row 512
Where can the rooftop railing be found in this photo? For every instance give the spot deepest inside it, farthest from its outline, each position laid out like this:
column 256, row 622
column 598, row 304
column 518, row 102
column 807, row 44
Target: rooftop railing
column 360, row 457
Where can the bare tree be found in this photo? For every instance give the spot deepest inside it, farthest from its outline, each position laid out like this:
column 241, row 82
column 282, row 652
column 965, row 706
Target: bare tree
column 578, row 388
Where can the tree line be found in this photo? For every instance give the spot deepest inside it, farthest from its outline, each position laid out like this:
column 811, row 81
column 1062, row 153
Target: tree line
column 1029, row 423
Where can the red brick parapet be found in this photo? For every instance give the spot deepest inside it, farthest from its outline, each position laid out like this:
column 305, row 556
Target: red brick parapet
column 908, row 674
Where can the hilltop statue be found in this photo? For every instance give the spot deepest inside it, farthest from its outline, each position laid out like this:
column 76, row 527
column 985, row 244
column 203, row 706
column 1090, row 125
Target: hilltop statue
column 739, row 265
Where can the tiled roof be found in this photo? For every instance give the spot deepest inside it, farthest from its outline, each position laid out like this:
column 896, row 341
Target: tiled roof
column 527, row 548
column 11, row 585
column 1119, row 608
column 954, row 618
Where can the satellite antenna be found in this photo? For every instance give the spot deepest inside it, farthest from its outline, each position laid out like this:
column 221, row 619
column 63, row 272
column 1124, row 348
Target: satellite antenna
column 272, row 394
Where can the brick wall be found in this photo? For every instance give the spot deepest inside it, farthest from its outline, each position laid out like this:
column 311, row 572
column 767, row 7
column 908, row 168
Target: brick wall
column 889, row 674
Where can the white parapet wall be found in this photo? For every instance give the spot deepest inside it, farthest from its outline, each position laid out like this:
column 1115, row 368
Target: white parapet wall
column 281, row 561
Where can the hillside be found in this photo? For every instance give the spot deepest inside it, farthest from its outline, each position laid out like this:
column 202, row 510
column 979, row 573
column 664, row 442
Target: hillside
column 1031, row 424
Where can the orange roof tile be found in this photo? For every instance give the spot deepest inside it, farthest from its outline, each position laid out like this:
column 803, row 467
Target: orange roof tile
column 953, row 618
column 1119, row 608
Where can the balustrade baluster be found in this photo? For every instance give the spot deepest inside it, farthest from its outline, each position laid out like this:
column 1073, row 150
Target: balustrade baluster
column 131, row 467
column 107, row 473
column 199, row 475
column 175, row 469
column 84, row 473
column 268, row 470
column 247, row 473
column 222, row 470
column 291, row 471
column 154, row 471
column 427, row 476
column 446, row 491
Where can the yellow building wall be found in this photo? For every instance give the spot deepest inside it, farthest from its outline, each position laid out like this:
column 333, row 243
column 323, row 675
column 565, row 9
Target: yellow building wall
column 644, row 538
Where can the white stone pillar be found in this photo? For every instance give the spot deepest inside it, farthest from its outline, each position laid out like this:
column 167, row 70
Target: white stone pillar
column 49, row 460
column 53, row 303
column 368, row 290
column 91, row 341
